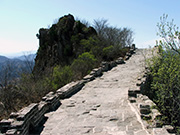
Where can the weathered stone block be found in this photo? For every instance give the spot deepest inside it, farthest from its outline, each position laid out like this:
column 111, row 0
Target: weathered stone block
column 5, row 122
column 138, row 83
column 128, row 54
column 69, row 89
column 144, row 108
column 132, row 99
column 20, row 125
column 27, row 112
column 89, row 77
column 5, row 125
column 12, row 132
column 96, row 72
column 105, row 66
column 126, row 57
column 144, row 98
column 160, row 131
column 53, row 101
column 14, row 115
column 92, row 73
column 120, row 60
column 49, row 95
column 135, row 89
column 43, row 108
column 131, row 51
column 112, row 64
column 132, row 93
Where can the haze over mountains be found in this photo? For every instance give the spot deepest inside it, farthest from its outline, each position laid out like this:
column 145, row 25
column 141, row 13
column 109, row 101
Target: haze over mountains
column 29, row 57
column 12, row 67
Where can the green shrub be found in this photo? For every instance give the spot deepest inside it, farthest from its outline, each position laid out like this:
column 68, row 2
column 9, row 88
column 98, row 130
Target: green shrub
column 83, row 64
column 122, row 51
column 113, row 52
column 61, row 76
column 108, row 53
column 92, row 44
column 165, row 85
column 34, row 88
column 165, row 72
column 87, row 44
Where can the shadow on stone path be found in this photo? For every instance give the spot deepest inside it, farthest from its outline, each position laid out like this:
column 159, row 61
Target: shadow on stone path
column 102, row 106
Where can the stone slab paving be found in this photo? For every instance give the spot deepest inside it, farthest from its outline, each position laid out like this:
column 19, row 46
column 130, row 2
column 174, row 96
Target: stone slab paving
column 102, row 106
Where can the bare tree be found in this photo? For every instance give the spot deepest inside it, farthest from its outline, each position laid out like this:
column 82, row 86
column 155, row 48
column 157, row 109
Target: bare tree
column 12, row 70
column 110, row 35
column 8, row 72
column 126, row 37
column 29, row 62
column 100, row 25
column 169, row 33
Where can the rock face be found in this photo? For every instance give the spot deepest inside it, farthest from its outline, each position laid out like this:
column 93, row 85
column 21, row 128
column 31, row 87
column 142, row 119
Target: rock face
column 60, row 43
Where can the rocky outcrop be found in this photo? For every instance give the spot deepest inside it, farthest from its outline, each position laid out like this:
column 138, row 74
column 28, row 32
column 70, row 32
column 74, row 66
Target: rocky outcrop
column 59, row 44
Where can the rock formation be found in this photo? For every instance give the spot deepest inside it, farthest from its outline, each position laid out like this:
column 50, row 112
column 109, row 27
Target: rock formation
column 60, row 43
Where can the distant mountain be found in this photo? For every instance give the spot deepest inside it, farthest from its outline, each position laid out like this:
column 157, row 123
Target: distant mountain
column 3, row 59
column 29, row 57
column 13, row 67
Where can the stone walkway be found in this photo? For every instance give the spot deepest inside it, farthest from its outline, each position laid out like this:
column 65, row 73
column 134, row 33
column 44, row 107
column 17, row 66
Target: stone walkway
column 102, row 106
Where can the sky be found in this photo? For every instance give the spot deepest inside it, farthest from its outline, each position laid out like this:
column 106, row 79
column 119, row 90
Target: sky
column 20, row 20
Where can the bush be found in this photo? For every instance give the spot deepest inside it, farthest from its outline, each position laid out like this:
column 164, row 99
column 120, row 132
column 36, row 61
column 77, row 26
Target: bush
column 113, row 52
column 61, row 76
column 170, row 34
column 166, row 85
column 88, row 44
column 83, row 64
column 164, row 75
column 34, row 88
column 108, row 53
column 91, row 44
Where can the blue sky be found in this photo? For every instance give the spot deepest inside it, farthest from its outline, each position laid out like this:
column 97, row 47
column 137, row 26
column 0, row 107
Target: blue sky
column 20, row 20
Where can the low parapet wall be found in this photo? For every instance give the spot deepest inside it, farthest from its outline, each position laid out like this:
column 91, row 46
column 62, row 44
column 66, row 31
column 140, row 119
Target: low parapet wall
column 29, row 118
column 146, row 109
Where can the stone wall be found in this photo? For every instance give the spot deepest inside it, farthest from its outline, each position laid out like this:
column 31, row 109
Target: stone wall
column 28, row 119
column 146, row 109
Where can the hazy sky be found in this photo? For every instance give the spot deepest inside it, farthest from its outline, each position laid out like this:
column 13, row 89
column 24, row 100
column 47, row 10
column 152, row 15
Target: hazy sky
column 20, row 20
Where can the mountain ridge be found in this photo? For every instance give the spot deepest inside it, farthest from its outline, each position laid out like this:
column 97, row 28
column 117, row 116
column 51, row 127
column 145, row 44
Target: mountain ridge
column 29, row 57
column 16, row 65
column 3, row 58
